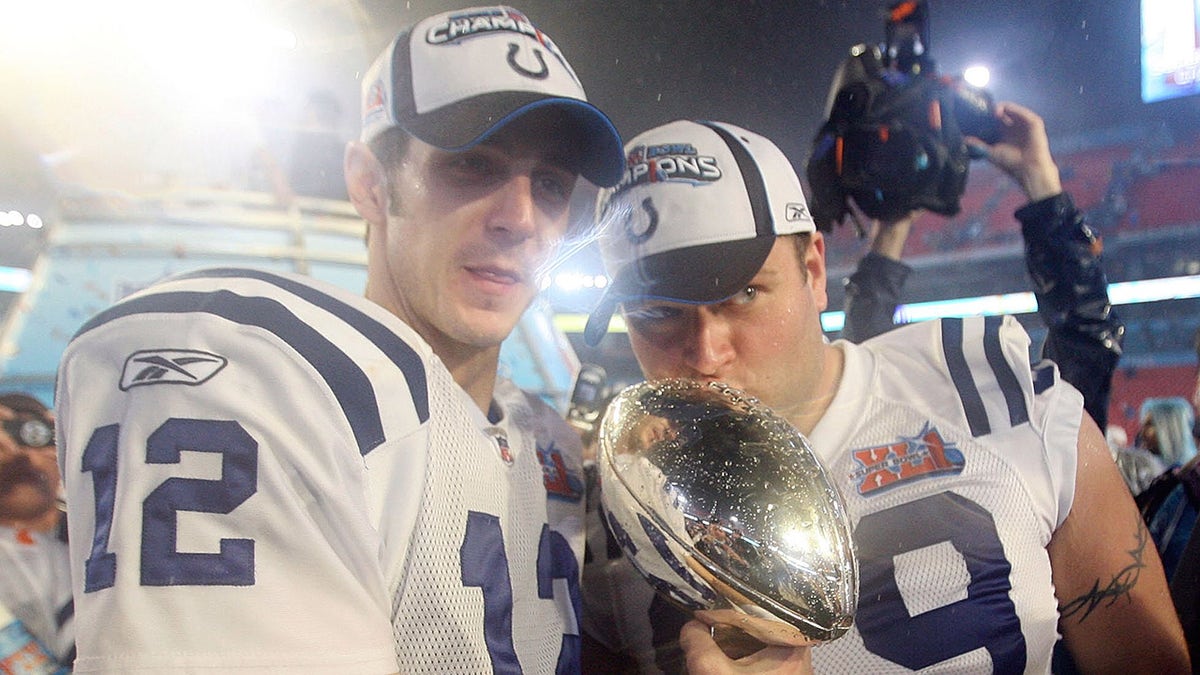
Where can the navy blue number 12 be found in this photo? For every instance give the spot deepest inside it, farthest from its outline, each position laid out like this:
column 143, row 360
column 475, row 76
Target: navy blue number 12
column 161, row 564
column 485, row 566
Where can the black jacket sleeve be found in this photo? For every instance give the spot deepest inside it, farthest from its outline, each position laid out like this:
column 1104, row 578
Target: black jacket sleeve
column 1084, row 338
column 872, row 294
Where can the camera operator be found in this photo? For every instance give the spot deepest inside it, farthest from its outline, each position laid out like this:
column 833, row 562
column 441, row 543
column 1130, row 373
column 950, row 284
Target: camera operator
column 1062, row 255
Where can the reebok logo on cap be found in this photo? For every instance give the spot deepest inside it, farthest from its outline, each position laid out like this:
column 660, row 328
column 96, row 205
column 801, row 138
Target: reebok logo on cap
column 797, row 212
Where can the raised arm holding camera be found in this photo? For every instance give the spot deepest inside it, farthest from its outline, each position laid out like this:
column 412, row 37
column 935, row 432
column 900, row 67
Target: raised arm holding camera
column 898, row 140
column 1062, row 256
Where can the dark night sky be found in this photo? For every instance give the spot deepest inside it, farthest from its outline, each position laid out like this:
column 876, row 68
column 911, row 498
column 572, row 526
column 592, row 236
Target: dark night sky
column 767, row 65
column 762, row 64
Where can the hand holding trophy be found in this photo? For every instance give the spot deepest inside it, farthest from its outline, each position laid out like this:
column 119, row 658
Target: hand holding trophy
column 725, row 509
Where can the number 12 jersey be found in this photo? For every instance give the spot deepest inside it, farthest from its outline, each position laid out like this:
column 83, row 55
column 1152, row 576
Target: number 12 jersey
column 270, row 474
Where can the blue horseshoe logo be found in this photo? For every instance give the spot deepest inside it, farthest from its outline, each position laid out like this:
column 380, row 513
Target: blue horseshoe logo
column 513, row 49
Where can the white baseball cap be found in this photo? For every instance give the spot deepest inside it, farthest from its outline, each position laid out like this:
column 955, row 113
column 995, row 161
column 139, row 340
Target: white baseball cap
column 455, row 78
column 695, row 216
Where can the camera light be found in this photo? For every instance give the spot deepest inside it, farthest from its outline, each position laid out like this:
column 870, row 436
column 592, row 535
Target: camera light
column 977, row 76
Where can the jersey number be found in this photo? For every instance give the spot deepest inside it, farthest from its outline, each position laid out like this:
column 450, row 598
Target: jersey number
column 986, row 618
column 485, row 566
column 161, row 563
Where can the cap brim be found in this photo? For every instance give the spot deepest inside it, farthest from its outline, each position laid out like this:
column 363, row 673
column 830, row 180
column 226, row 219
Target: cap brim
column 461, row 125
column 696, row 275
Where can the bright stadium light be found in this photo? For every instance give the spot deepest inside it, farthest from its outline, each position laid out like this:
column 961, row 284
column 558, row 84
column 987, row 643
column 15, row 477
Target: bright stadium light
column 15, row 279
column 575, row 281
column 207, row 53
column 1122, row 293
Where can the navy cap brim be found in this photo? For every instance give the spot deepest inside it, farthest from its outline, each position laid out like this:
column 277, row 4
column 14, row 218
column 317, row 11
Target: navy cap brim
column 696, row 275
column 461, row 125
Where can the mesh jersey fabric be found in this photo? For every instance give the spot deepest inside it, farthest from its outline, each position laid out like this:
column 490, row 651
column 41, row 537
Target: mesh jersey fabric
column 484, row 534
column 248, row 459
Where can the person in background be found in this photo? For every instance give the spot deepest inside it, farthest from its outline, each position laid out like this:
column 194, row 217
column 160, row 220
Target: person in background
column 1169, row 504
column 314, row 166
column 35, row 575
column 1062, row 255
column 1166, row 430
column 987, row 513
column 307, row 162
column 1138, row 467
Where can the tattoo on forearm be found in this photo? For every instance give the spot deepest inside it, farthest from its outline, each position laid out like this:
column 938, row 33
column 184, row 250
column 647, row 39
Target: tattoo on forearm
column 1120, row 586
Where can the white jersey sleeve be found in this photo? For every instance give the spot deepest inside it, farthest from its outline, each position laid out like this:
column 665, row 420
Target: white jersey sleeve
column 215, row 432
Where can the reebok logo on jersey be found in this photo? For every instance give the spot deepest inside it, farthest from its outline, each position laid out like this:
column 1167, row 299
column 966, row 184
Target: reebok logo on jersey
column 170, row 366
column 922, row 456
column 560, row 484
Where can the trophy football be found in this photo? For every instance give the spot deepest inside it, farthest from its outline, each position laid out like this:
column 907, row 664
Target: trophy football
column 725, row 509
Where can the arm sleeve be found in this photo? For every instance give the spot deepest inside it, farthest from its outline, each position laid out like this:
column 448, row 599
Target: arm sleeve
column 1085, row 333
column 224, row 523
column 872, row 294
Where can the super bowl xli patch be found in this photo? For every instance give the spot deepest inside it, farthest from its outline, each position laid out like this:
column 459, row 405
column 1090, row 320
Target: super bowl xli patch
column 924, row 455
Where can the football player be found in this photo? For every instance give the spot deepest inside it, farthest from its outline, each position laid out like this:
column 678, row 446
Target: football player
column 268, row 474
column 989, row 518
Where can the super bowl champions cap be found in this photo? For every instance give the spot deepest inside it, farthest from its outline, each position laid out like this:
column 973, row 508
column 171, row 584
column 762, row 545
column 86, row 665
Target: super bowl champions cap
column 694, row 217
column 453, row 79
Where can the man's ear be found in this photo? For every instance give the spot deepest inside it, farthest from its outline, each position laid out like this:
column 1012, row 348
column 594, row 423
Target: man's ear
column 814, row 262
column 366, row 183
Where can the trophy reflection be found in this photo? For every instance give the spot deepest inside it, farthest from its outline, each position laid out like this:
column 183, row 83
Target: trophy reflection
column 725, row 509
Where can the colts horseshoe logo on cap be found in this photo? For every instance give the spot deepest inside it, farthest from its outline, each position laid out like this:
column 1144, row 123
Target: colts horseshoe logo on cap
column 637, row 230
column 513, row 48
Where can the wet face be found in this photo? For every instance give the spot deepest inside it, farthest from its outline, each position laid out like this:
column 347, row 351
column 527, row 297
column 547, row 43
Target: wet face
column 467, row 232
column 765, row 340
column 29, row 481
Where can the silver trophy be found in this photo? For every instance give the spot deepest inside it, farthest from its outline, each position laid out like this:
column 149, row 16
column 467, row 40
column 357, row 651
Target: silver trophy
column 725, row 509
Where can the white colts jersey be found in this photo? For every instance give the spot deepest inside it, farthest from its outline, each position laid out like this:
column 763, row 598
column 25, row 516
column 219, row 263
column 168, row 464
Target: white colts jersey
column 269, row 474
column 957, row 462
